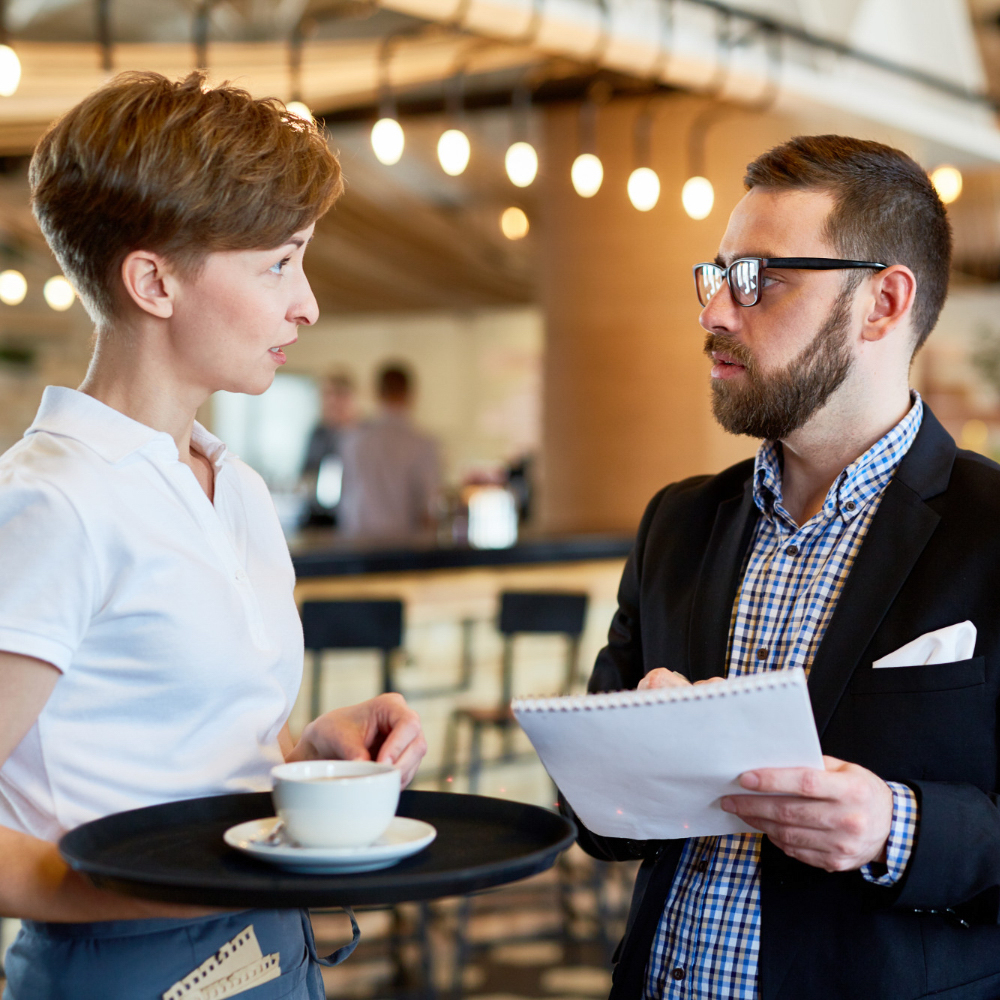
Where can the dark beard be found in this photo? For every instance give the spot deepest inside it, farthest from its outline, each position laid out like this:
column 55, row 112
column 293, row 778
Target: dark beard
column 772, row 405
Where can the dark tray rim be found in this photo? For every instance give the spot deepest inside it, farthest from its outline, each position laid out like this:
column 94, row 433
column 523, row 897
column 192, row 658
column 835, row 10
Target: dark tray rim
column 387, row 885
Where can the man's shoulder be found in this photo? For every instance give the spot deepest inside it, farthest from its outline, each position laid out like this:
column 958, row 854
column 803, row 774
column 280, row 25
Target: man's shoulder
column 974, row 482
column 706, row 491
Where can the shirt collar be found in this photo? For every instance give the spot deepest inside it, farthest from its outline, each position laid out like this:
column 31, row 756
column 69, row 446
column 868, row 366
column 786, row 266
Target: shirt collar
column 73, row 414
column 864, row 479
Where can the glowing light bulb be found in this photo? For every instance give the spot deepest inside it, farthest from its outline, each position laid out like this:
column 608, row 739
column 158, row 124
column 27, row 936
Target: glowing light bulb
column 387, row 141
column 300, row 110
column 587, row 174
column 454, row 151
column 58, row 293
column 13, row 288
column 698, row 197
column 643, row 188
column 521, row 162
column 10, row 71
column 514, row 223
column 947, row 181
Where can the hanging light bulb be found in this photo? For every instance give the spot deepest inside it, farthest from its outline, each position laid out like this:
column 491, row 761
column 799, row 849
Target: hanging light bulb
column 587, row 174
column 387, row 141
column 698, row 197
column 454, row 151
column 13, row 288
column 643, row 188
column 58, row 293
column 10, row 71
column 514, row 223
column 521, row 162
column 947, row 181
column 300, row 110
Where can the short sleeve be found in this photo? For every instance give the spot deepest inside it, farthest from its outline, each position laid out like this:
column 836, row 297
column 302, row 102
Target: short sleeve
column 48, row 575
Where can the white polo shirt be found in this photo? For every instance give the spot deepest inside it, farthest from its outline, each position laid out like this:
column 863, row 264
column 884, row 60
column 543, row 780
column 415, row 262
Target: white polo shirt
column 170, row 617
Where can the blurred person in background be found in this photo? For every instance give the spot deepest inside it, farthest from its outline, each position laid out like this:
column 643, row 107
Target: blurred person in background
column 323, row 468
column 392, row 472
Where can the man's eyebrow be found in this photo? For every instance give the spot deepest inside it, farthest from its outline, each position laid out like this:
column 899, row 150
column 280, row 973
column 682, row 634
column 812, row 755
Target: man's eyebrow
column 721, row 261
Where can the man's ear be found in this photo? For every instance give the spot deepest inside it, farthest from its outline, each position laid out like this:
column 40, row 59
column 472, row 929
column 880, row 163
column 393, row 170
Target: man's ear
column 149, row 282
column 893, row 291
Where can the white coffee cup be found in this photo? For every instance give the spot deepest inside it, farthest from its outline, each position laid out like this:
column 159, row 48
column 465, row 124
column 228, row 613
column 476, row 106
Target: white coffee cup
column 335, row 803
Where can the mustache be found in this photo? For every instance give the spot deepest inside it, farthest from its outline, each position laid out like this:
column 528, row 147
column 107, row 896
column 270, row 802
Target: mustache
column 738, row 351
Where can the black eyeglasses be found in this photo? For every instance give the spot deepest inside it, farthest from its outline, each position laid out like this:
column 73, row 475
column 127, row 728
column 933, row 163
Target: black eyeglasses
column 743, row 274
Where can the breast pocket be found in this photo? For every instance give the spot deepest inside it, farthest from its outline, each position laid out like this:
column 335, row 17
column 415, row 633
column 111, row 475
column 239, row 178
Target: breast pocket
column 926, row 677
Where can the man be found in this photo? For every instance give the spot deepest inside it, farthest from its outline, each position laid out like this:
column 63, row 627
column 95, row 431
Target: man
column 323, row 467
column 392, row 475
column 858, row 528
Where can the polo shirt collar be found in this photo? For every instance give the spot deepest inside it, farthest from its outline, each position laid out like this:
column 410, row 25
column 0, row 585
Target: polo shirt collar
column 109, row 433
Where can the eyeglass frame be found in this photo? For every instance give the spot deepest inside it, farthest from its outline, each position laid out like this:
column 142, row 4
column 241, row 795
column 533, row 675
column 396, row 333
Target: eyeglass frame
column 785, row 263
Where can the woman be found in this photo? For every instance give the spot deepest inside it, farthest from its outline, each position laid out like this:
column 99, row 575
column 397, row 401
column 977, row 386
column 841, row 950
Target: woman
column 150, row 648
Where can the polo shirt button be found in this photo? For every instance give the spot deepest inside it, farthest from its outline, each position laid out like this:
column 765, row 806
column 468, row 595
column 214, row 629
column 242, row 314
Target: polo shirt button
column 762, row 653
column 678, row 973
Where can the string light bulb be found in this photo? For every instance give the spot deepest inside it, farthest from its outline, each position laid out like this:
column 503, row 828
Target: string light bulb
column 13, row 288
column 514, row 223
column 300, row 109
column 698, row 197
column 58, row 293
column 453, row 151
column 10, row 71
column 388, row 141
column 521, row 162
column 947, row 181
column 643, row 188
column 587, row 174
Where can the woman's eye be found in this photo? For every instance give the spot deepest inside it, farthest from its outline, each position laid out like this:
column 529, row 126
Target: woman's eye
column 279, row 267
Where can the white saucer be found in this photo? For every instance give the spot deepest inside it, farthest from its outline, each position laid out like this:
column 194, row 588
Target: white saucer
column 402, row 838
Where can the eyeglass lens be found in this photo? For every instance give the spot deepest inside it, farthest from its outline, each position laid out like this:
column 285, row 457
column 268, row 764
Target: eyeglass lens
column 744, row 277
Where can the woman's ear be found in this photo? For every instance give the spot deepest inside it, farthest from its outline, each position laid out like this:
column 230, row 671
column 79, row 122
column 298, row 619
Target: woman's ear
column 893, row 292
column 149, row 282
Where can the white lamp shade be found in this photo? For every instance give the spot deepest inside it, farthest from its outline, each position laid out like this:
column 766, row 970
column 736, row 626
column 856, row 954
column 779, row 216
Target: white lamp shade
column 13, row 288
column 587, row 174
column 58, row 293
column 521, row 162
column 387, row 141
column 643, row 188
column 10, row 71
column 947, row 181
column 454, row 151
column 698, row 197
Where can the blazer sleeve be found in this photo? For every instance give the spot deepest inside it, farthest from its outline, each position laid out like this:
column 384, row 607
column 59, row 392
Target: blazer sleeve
column 620, row 667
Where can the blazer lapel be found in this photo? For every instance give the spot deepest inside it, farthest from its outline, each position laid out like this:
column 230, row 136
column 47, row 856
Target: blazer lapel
column 901, row 528
column 711, row 610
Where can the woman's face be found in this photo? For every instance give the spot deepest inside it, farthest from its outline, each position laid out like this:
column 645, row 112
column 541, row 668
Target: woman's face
column 232, row 319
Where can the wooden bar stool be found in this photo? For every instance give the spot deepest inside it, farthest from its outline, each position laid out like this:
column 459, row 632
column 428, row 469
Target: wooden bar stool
column 338, row 625
column 521, row 613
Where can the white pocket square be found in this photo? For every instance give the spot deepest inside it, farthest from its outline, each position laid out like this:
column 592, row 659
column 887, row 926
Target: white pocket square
column 945, row 645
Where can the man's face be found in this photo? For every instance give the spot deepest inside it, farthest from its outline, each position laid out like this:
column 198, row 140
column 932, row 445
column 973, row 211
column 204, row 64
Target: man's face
column 778, row 362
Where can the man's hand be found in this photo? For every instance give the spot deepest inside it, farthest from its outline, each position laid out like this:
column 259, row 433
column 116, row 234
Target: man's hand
column 663, row 678
column 384, row 729
column 839, row 822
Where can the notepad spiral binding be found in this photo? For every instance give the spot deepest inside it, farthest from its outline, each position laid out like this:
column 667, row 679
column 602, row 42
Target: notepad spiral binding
column 659, row 696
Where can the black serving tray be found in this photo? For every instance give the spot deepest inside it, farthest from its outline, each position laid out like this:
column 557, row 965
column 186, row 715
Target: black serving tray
column 175, row 852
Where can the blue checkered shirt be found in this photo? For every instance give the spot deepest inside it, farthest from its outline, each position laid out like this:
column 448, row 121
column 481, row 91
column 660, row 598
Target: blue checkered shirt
column 708, row 937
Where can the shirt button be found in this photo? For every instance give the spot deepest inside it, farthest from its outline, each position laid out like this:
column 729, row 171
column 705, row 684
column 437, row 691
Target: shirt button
column 678, row 973
column 702, row 866
column 240, row 576
column 792, row 550
column 850, row 505
column 762, row 653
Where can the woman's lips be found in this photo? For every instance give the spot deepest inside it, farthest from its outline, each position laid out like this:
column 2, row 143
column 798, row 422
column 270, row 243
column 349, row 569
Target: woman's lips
column 278, row 354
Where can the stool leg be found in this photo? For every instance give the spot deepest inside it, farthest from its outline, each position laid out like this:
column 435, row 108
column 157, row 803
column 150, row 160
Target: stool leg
column 572, row 656
column 475, row 756
column 317, row 680
column 462, row 948
column 426, row 954
column 449, row 758
column 506, row 694
column 465, row 681
column 388, row 683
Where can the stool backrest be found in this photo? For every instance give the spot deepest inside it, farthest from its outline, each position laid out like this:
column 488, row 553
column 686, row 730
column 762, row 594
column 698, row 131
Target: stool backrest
column 352, row 625
column 542, row 611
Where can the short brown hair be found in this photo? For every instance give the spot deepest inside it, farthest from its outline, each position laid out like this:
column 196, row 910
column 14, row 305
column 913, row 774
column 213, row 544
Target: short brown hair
column 175, row 168
column 886, row 209
column 394, row 382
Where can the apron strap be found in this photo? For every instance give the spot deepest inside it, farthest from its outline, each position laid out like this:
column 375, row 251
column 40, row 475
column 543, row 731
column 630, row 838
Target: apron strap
column 338, row 956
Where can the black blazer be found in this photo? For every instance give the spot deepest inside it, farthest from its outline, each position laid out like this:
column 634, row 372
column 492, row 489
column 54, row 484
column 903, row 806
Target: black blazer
column 931, row 558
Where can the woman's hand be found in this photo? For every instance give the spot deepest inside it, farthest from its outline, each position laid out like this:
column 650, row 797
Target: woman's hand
column 384, row 729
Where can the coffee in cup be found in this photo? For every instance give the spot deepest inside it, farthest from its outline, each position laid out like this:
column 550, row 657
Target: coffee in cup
column 335, row 803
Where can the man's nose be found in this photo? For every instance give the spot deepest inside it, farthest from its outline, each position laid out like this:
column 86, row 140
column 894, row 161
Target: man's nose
column 722, row 313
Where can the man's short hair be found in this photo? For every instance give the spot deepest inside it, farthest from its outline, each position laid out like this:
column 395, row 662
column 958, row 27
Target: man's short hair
column 394, row 382
column 175, row 168
column 340, row 381
column 885, row 209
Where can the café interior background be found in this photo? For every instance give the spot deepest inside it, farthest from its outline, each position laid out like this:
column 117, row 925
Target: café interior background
column 551, row 321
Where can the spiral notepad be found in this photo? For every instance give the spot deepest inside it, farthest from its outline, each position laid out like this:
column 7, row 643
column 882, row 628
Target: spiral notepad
column 653, row 765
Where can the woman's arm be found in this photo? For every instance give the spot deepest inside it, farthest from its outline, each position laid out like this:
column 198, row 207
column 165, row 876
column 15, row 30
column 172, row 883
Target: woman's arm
column 35, row 882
